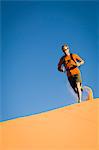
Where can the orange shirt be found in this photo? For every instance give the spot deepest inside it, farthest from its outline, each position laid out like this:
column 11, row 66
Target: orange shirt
column 69, row 63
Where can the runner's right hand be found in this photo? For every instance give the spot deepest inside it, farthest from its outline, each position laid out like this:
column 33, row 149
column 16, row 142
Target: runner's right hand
column 63, row 68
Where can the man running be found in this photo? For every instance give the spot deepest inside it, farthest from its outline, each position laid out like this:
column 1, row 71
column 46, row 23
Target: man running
column 70, row 63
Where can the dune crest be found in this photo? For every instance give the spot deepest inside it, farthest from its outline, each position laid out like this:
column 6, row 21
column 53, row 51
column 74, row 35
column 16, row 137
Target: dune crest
column 73, row 127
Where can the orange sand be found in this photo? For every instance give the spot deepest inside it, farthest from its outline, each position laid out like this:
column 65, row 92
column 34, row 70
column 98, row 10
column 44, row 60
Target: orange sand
column 74, row 127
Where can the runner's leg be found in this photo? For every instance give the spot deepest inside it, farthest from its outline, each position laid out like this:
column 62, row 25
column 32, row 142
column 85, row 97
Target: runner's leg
column 75, row 83
column 79, row 92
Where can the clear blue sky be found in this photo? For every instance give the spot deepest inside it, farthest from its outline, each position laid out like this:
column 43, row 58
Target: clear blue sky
column 32, row 36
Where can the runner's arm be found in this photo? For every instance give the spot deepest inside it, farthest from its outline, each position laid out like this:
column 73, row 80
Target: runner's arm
column 80, row 61
column 60, row 65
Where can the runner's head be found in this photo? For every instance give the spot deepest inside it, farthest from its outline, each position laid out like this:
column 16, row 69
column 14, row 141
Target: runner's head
column 65, row 49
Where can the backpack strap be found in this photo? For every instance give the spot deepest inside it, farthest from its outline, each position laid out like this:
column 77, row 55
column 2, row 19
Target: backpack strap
column 71, row 55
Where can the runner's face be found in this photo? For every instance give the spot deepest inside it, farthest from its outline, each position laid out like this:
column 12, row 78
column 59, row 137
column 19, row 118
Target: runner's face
column 66, row 49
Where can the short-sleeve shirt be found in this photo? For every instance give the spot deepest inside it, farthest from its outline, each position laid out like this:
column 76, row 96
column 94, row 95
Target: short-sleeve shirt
column 69, row 63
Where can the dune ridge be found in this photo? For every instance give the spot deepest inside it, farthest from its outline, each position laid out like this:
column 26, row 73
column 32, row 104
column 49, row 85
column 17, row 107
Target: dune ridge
column 74, row 127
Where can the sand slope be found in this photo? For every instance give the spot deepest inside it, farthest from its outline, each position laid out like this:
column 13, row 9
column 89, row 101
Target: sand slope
column 74, row 127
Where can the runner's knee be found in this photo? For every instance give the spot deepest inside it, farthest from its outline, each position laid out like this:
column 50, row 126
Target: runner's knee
column 78, row 84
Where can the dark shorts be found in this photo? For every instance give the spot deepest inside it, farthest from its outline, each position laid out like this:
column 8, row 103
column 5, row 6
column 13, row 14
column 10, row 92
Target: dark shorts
column 74, row 79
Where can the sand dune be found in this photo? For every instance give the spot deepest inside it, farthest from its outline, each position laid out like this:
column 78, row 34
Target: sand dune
column 74, row 127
